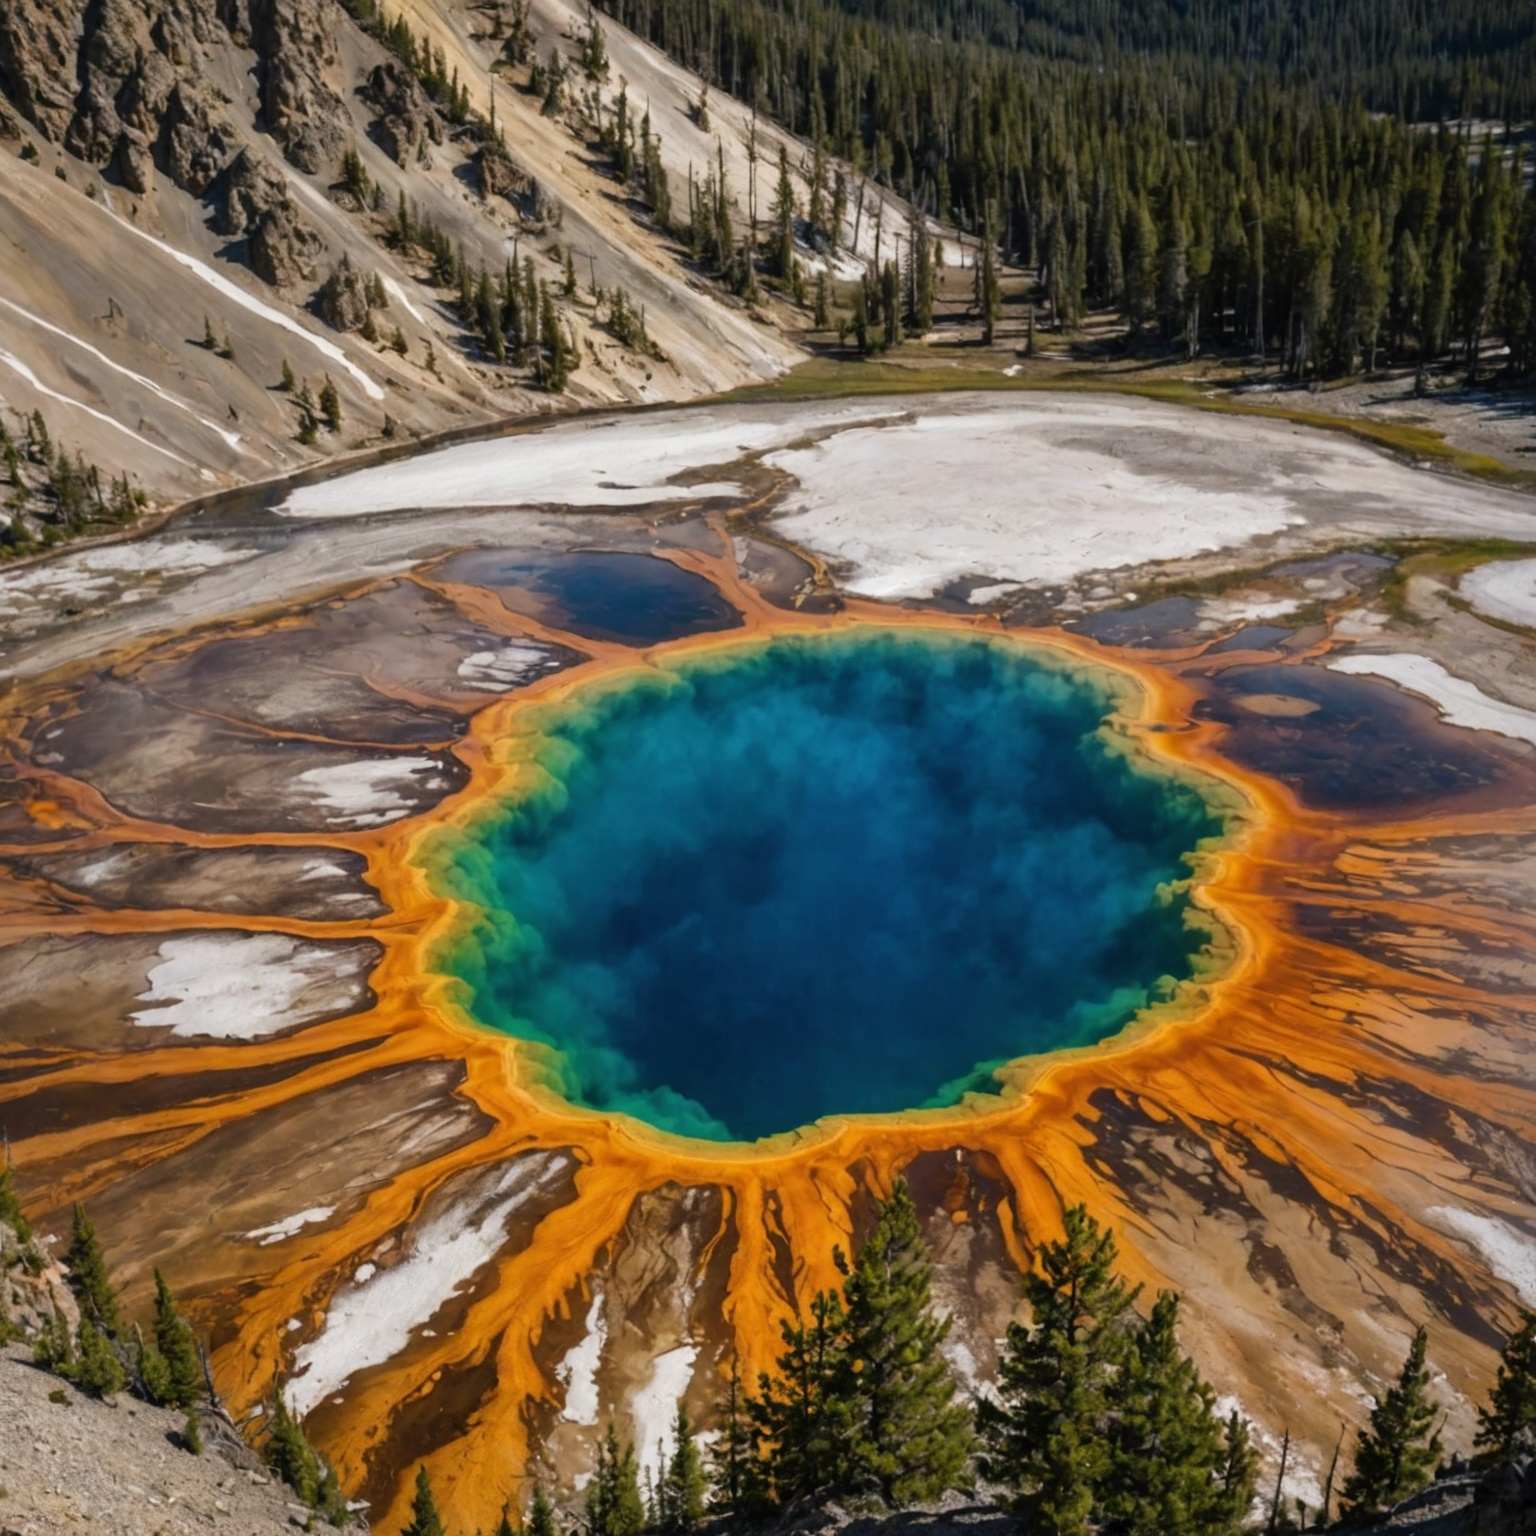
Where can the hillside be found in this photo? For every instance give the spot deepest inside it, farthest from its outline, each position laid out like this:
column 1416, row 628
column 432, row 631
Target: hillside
column 209, row 172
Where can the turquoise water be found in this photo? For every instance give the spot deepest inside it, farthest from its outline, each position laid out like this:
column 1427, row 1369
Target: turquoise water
column 821, row 876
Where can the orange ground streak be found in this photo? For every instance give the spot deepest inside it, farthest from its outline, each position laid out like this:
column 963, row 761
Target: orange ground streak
column 1177, row 1059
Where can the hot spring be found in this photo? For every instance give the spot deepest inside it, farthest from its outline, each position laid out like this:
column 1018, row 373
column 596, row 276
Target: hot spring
column 818, row 876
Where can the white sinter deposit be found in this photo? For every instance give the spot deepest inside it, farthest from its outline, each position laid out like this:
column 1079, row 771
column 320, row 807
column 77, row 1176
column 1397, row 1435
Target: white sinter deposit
column 280, row 1231
column 578, row 1369
column 239, row 986
column 1504, row 589
column 1458, row 701
column 1041, row 489
column 373, row 1319
column 368, row 791
column 1503, row 1247
column 507, row 667
column 609, row 461
column 130, row 572
column 654, row 1406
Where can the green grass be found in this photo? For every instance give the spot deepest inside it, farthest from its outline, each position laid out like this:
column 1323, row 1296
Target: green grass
column 824, row 378
column 1446, row 559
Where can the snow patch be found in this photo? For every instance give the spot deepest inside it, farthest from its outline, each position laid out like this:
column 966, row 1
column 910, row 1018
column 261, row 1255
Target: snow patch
column 1458, row 701
column 16, row 366
column 229, row 986
column 279, row 1230
column 247, row 301
column 1505, row 1249
column 397, row 292
column 371, row 1321
column 231, row 438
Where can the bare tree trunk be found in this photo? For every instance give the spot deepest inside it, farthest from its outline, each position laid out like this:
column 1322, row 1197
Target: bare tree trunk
column 1274, row 1505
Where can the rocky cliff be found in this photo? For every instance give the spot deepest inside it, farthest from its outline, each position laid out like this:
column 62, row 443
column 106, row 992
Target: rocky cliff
column 179, row 179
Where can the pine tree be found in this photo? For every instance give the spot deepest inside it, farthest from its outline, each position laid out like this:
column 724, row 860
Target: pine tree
column 88, row 1275
column 330, row 406
column 614, row 1504
column 732, row 1463
column 97, row 1370
column 152, row 1376
column 1508, row 1423
column 288, row 1453
column 1044, row 1436
column 1239, row 1473
column 910, row 1439
column 287, row 382
column 1397, row 1455
column 53, row 1349
column 10, row 1203
column 823, row 314
column 541, row 1515
column 192, row 1432
column 800, row 1413
column 782, row 215
column 176, row 1345
column 988, row 292
column 684, row 1486
column 1166, row 1441
column 425, row 1520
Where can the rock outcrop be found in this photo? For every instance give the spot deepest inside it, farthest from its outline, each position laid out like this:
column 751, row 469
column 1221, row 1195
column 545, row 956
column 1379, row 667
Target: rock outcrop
column 295, row 46
column 405, row 122
column 253, row 204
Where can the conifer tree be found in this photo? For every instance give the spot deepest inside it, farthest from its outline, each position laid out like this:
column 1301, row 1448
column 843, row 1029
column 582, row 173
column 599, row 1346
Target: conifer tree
column 782, row 214
column 287, row 382
column 541, row 1514
column 614, row 1504
column 10, row 1203
column 88, row 1275
column 683, row 1487
column 96, row 1369
column 425, row 1520
column 1166, row 1443
column 733, row 1466
column 1508, row 1423
column 909, row 1440
column 988, row 291
column 288, row 1453
column 192, row 1432
column 800, row 1412
column 1239, row 1472
column 53, row 1349
column 330, row 405
column 177, row 1347
column 822, row 317
column 1044, row 1436
column 1396, row 1456
column 152, row 1376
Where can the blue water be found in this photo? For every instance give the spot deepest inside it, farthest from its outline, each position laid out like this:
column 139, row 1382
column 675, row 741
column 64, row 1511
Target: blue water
column 821, row 876
column 631, row 599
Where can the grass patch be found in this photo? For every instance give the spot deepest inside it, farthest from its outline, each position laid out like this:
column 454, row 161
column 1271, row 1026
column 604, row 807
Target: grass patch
column 1445, row 559
column 825, row 378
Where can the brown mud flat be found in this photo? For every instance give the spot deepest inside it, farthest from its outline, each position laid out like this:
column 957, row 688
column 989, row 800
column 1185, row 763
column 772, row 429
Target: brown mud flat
column 1282, row 1144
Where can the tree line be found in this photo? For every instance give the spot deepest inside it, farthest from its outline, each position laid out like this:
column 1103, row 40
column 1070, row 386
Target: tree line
column 1207, row 207
column 1100, row 1424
